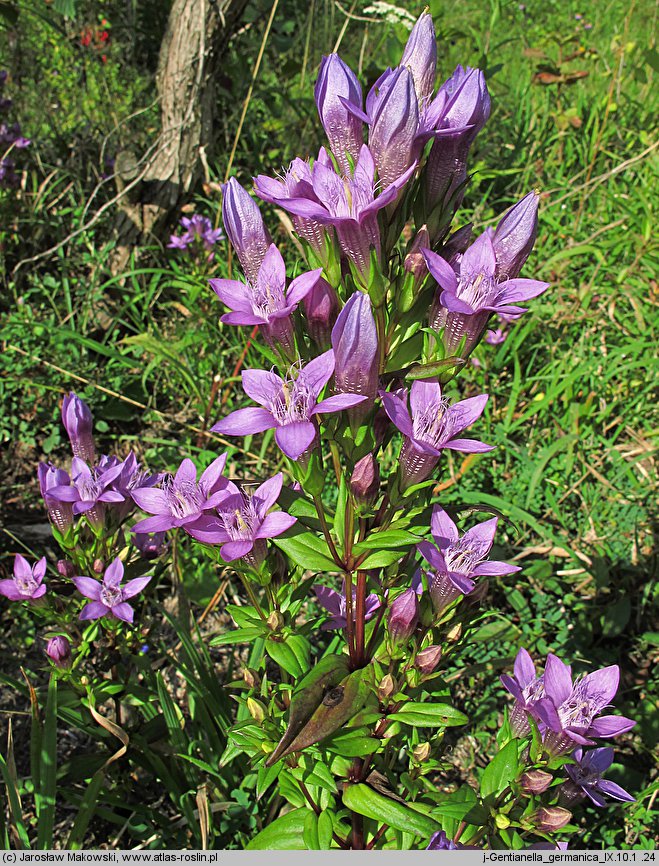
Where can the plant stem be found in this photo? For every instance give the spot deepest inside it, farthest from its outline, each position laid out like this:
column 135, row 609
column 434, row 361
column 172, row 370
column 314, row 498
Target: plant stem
column 320, row 510
column 252, row 596
column 350, row 622
column 360, row 618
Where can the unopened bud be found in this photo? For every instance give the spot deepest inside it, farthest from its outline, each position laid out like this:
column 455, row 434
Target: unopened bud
column 251, row 678
column 550, row 818
column 365, row 481
column 414, row 261
column 403, row 616
column 421, row 752
column 387, row 687
column 98, row 566
column 535, row 781
column 256, row 709
column 66, row 568
column 428, row 659
column 58, row 650
column 275, row 621
column 455, row 633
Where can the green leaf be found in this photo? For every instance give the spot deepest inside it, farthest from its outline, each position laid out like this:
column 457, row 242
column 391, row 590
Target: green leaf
column 429, row 371
column 325, row 830
column 265, row 777
column 389, row 539
column 340, row 512
column 429, row 715
column 365, row 801
column 283, row 834
column 381, row 559
column 239, row 635
column 354, row 744
column 501, row 770
column 291, row 654
column 86, row 810
column 310, row 832
column 48, row 770
column 15, row 811
column 307, row 550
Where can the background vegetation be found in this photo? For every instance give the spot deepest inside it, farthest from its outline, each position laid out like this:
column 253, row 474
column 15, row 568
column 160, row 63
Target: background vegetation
column 573, row 407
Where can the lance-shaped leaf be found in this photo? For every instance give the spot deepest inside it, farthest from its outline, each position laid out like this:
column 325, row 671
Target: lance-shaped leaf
column 326, row 675
column 433, row 369
column 337, row 706
column 405, row 817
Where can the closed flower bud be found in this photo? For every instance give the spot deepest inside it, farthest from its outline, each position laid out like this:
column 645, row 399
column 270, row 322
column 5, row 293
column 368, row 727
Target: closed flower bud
column 251, row 678
column 535, row 781
column 414, row 261
column 547, row 819
column 515, row 235
column 336, row 83
column 387, row 687
column 394, row 127
column 365, row 481
column 66, row 568
column 58, row 650
column 428, row 659
column 78, row 422
column 98, row 566
column 420, row 55
column 275, row 621
column 421, row 752
column 245, row 228
column 403, row 616
column 256, row 709
column 321, row 307
column 356, row 354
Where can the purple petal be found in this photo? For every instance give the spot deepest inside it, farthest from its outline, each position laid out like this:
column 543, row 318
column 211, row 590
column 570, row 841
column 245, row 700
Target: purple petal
column 151, row 500
column 316, row 374
column 64, row 493
column 513, row 291
column 337, row 403
column 294, row 439
column 465, row 412
column 546, row 712
column 443, row 530
column 558, row 680
column 613, row 790
column 136, row 585
column 9, row 589
column 89, row 587
column 593, row 794
column 267, row 493
column 524, row 668
column 242, row 318
column 302, row 285
column 123, row 611
column 511, row 686
column 610, row 726
column 469, row 446
column 211, row 478
column 430, row 553
column 601, row 686
column 262, row 386
column 235, row 550
column 479, row 258
column 330, row 599
column 422, row 394
column 482, row 535
column 186, row 473
column 442, row 272
column 244, row 422
column 160, row 523
column 111, row 496
column 595, row 761
column 114, row 573
column 94, row 610
column 397, row 411
column 22, row 567
column 461, row 581
column 494, row 567
column 274, row 524
column 233, row 294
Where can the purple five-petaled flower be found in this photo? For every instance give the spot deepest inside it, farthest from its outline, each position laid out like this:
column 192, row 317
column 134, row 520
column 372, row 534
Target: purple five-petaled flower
column 90, row 489
column 181, row 500
column 335, row 604
column 265, row 301
column 27, row 583
column 457, row 559
column 432, row 425
column 244, row 521
column 196, row 226
column 288, row 405
column 108, row 598
column 470, row 291
column 527, row 687
column 337, row 90
column 587, row 774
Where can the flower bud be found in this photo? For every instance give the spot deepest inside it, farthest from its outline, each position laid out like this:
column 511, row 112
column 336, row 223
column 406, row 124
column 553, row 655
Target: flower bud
column 58, row 650
column 321, row 307
column 414, row 261
column 66, row 568
column 547, row 819
column 394, row 126
column 60, row 513
column 78, row 422
column 455, row 633
column 356, row 354
column 256, row 709
column 420, row 55
column 515, row 235
column 251, row 678
column 427, row 660
column 365, row 481
column 535, row 781
column 98, row 567
column 151, row 545
column 421, row 752
column 403, row 616
column 275, row 621
column 386, row 688
column 337, row 82
column 245, row 228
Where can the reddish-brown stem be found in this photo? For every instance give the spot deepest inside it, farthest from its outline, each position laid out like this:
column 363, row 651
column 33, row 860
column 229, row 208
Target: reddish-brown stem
column 360, row 618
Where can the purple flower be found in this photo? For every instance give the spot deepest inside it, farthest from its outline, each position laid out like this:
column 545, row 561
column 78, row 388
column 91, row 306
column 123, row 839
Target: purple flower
column 456, row 560
column 495, row 337
column 196, row 227
column 514, row 236
column 356, row 353
column 403, row 616
column 287, row 405
column 27, row 583
column 394, row 126
column 337, row 85
column 244, row 227
column 58, row 650
column 78, row 422
column 131, row 478
column 440, row 842
column 569, row 710
column 60, row 513
column 434, row 425
column 587, row 774
column 321, row 307
column 109, row 597
column 528, row 689
column 420, row 56
column 90, row 489
column 182, row 499
column 335, row 603
column 470, row 292
column 243, row 522
column 265, row 301
column 151, row 545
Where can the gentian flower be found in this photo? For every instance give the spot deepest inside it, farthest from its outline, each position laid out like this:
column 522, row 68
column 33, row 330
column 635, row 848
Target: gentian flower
column 131, row 478
column 403, row 616
column 335, row 603
column 27, row 583
column 337, row 85
column 78, row 422
column 528, row 689
column 440, row 842
column 356, row 353
column 456, row 560
column 470, row 292
column 58, row 650
column 420, row 56
column 434, row 425
column 265, row 302
column 90, row 489
column 244, row 227
column 495, row 337
column 244, row 523
column 182, row 499
column 109, row 597
column 60, row 513
column 321, row 307
column 287, row 405
column 151, row 545
column 587, row 774
column 514, row 236
column 569, row 710
column 394, row 126
column 196, row 227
